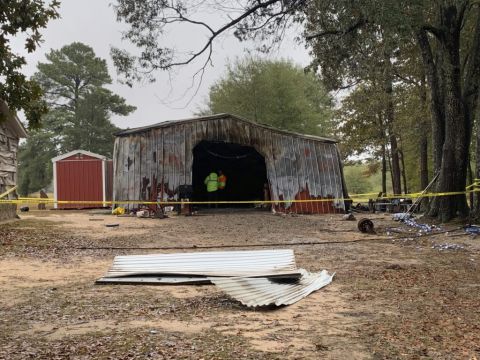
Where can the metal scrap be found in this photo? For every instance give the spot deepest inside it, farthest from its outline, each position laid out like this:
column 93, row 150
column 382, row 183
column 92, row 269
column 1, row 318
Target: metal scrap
column 255, row 278
column 263, row 292
column 366, row 226
column 254, row 263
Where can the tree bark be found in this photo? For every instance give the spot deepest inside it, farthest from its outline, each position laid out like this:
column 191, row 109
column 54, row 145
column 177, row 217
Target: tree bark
column 404, row 173
column 384, row 169
column 477, row 164
column 453, row 170
column 432, row 72
column 389, row 117
column 423, row 137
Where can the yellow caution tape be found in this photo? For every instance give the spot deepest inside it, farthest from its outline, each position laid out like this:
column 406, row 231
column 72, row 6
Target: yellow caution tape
column 94, row 202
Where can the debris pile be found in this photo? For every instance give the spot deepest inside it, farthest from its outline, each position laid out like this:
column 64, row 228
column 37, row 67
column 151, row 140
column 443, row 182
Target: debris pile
column 472, row 230
column 421, row 227
column 255, row 278
column 409, row 220
column 447, row 246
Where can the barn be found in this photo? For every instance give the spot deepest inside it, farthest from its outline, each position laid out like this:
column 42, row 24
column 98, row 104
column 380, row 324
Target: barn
column 157, row 162
column 11, row 131
column 81, row 176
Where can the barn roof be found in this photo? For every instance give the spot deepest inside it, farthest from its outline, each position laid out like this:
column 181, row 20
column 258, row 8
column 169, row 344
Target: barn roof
column 169, row 123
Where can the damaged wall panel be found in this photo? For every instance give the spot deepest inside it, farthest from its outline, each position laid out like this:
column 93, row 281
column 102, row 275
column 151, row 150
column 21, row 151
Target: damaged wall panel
column 11, row 131
column 150, row 163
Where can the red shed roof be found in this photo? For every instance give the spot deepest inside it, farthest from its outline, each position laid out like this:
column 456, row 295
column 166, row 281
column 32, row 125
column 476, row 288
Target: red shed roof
column 75, row 152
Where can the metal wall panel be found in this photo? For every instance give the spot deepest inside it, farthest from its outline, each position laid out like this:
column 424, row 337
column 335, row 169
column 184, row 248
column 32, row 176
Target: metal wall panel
column 79, row 180
column 299, row 167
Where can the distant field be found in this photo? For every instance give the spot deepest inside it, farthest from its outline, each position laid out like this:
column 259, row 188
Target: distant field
column 359, row 182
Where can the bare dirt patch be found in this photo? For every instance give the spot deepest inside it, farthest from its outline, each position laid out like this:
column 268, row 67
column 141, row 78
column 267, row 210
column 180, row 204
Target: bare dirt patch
column 390, row 298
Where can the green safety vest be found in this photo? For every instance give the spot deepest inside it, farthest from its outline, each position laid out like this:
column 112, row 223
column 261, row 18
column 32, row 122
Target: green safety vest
column 212, row 182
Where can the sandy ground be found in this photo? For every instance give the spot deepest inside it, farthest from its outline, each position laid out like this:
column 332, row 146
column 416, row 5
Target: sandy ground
column 395, row 295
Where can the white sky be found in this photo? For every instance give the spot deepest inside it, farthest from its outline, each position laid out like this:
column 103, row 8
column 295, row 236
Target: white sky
column 93, row 23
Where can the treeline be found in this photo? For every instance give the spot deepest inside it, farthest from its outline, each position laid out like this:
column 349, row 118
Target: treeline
column 413, row 69
column 73, row 81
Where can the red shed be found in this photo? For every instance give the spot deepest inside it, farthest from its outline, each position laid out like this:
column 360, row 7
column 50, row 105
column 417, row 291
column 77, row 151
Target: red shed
column 82, row 176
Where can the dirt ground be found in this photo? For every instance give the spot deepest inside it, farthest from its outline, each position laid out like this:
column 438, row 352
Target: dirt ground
column 394, row 295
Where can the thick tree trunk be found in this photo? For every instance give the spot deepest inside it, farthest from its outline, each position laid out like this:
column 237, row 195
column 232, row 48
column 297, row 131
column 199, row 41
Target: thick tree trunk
column 433, row 71
column 445, row 80
column 472, row 107
column 453, row 170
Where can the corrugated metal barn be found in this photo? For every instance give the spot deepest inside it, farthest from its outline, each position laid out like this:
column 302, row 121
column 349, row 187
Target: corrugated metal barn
column 81, row 175
column 152, row 163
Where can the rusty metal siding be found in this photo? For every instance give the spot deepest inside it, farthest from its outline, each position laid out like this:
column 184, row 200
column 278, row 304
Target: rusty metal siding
column 152, row 162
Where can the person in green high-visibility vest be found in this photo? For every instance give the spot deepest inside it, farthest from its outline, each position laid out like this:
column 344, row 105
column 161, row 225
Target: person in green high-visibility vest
column 211, row 182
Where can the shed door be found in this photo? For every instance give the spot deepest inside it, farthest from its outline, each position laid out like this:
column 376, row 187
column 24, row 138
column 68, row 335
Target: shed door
column 79, row 180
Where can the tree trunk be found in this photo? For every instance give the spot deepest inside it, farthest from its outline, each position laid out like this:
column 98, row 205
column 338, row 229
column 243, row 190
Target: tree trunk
column 477, row 164
column 395, row 166
column 472, row 107
column 423, row 137
column 404, row 174
column 453, row 170
column 384, row 169
column 432, row 67
column 470, row 182
column 389, row 117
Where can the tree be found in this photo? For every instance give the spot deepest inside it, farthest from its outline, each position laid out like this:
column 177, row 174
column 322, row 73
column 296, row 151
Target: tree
column 276, row 93
column 446, row 33
column 73, row 81
column 26, row 17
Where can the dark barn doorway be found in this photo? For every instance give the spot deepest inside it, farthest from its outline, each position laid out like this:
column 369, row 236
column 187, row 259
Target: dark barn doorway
column 243, row 165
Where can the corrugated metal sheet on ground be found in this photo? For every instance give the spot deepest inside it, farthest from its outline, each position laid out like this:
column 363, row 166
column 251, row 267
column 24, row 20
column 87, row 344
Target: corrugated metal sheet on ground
column 155, row 280
column 265, row 263
column 262, row 291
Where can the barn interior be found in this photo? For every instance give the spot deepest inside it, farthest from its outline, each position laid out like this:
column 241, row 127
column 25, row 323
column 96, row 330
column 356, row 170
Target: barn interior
column 243, row 166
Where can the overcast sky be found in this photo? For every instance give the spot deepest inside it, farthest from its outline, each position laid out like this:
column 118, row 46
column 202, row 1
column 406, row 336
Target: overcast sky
column 93, row 23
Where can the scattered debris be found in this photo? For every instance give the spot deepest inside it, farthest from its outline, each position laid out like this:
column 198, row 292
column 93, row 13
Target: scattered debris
column 263, row 291
column 447, row 246
column 472, row 229
column 366, row 226
column 24, row 209
column 255, row 278
column 349, row 217
column 142, row 214
column 421, row 227
column 401, row 216
column 112, row 225
column 118, row 211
